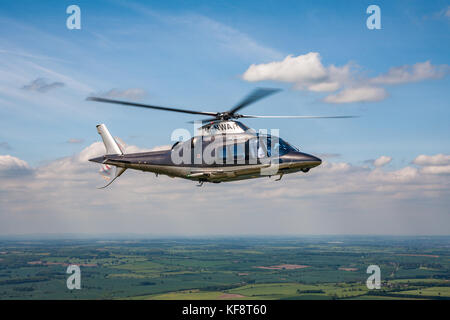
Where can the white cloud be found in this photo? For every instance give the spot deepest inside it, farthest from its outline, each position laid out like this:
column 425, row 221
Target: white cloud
column 161, row 148
column 436, row 164
column 304, row 68
column 436, row 169
column 335, row 167
column 61, row 196
column 398, row 176
column 304, row 71
column 382, row 161
column 438, row 159
column 337, row 77
column 324, row 86
column 12, row 166
column 417, row 72
column 9, row 162
column 357, row 94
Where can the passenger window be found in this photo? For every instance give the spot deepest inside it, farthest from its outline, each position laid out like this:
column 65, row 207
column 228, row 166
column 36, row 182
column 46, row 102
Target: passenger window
column 257, row 148
column 239, row 151
column 262, row 149
column 222, row 153
column 225, row 153
column 253, row 148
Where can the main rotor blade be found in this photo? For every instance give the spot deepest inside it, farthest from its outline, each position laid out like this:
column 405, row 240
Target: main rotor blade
column 133, row 104
column 203, row 120
column 238, row 116
column 254, row 96
column 298, row 117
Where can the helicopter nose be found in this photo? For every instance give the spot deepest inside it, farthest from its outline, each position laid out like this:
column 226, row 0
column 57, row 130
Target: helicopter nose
column 314, row 160
column 303, row 159
column 311, row 160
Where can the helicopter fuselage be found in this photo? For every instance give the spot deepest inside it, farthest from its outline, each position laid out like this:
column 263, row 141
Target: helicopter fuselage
column 219, row 156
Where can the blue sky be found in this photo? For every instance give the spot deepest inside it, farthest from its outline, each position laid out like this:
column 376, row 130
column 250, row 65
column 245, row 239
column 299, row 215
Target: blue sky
column 196, row 54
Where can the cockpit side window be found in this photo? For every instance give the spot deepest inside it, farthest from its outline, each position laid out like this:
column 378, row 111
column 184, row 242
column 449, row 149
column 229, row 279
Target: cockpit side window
column 231, row 152
column 253, row 148
column 257, row 148
column 272, row 146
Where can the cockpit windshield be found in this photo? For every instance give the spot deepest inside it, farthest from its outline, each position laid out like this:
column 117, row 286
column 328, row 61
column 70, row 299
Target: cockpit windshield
column 277, row 146
column 267, row 145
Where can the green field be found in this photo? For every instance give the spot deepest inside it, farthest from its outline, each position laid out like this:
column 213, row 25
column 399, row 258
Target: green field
column 332, row 267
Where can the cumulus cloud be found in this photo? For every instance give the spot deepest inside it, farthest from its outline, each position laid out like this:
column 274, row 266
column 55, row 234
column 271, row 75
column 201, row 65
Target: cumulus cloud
column 12, row 167
column 436, row 169
column 304, row 68
column 435, row 164
column 335, row 167
column 42, row 85
column 74, row 167
column 435, row 160
column 132, row 93
column 358, row 94
column 307, row 72
column 417, row 72
column 336, row 197
column 406, row 174
column 382, row 161
column 304, row 71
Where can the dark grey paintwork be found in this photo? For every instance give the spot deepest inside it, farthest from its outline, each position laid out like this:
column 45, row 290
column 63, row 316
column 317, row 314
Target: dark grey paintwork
column 161, row 162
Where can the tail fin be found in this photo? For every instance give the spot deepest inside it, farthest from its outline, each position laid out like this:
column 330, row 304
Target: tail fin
column 111, row 145
column 112, row 148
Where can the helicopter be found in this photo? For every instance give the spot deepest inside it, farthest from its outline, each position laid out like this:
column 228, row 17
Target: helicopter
column 223, row 150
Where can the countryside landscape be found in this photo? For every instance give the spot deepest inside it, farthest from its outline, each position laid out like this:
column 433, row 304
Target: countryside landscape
column 313, row 267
